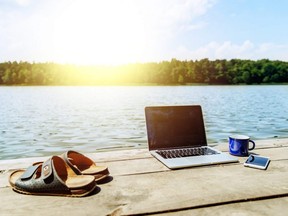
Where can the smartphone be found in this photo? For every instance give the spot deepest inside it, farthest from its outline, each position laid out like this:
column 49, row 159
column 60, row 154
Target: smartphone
column 257, row 162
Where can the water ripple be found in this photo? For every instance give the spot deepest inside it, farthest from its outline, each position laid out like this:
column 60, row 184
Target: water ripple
column 40, row 121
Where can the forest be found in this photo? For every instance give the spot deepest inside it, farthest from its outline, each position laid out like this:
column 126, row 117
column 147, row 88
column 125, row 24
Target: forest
column 174, row 72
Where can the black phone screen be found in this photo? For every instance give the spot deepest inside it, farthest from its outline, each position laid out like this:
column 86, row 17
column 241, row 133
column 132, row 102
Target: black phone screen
column 257, row 161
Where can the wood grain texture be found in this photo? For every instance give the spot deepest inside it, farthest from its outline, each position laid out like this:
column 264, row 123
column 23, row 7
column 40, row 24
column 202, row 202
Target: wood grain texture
column 140, row 184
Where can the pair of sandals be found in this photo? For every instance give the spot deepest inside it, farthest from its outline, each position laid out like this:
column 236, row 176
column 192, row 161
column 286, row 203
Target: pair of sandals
column 70, row 174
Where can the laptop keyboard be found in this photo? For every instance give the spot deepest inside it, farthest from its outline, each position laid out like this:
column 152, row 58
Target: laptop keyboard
column 186, row 152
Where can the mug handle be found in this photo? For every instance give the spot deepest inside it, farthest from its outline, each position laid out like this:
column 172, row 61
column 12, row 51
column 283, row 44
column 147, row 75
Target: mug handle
column 253, row 145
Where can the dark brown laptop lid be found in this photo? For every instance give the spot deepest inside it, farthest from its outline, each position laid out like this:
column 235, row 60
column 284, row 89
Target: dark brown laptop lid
column 175, row 126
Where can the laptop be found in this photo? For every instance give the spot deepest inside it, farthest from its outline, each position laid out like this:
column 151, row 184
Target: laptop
column 177, row 138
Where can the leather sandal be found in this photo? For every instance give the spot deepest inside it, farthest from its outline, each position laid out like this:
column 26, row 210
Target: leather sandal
column 53, row 177
column 83, row 165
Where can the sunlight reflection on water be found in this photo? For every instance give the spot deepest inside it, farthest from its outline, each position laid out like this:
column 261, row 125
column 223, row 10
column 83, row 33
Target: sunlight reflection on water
column 38, row 121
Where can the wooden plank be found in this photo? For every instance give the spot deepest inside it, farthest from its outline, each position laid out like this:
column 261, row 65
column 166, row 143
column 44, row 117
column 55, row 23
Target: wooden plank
column 160, row 191
column 103, row 157
column 192, row 188
column 148, row 165
column 143, row 162
column 98, row 157
column 17, row 204
column 275, row 207
column 141, row 184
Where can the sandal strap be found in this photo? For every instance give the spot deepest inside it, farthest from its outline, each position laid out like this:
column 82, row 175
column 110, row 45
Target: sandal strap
column 65, row 157
column 29, row 172
column 47, row 169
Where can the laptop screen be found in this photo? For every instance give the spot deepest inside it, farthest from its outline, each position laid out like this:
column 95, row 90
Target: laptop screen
column 175, row 126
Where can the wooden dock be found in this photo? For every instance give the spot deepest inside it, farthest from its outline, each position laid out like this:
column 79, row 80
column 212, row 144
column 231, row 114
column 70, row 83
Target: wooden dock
column 141, row 185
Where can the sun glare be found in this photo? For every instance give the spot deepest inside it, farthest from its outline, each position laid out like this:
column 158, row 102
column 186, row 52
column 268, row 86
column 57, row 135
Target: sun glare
column 100, row 32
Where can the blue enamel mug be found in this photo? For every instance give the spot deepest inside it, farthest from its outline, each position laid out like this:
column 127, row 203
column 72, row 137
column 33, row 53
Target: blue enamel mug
column 239, row 145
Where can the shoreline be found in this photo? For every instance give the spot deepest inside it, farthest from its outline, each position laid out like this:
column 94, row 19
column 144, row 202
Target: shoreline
column 103, row 156
column 143, row 84
column 121, row 148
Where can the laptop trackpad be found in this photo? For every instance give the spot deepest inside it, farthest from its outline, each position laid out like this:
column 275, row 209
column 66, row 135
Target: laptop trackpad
column 177, row 162
column 199, row 160
column 186, row 162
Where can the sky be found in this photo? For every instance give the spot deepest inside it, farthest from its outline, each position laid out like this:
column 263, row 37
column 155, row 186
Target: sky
column 113, row 32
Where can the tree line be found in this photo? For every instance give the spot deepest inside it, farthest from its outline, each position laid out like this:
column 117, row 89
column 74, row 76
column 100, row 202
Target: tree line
column 174, row 72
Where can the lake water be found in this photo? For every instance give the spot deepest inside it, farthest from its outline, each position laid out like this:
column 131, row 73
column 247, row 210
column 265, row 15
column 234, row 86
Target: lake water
column 40, row 121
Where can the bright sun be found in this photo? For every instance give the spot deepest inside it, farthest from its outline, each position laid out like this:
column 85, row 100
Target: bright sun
column 101, row 32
